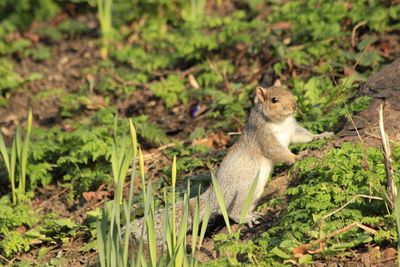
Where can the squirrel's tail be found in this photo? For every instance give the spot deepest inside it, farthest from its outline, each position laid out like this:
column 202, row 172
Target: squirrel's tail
column 138, row 230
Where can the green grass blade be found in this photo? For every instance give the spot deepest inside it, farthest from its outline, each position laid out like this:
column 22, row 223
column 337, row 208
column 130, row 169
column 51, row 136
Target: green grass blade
column 150, row 226
column 206, row 217
column 13, row 162
column 114, row 161
column 101, row 236
column 18, row 142
column 173, row 202
column 180, row 251
column 133, row 138
column 195, row 223
column 221, row 202
column 128, row 213
column 167, row 230
column 141, row 168
column 249, row 199
column 4, row 154
column 24, row 155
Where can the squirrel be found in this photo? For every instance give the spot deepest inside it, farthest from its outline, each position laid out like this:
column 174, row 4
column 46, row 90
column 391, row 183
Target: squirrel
column 269, row 131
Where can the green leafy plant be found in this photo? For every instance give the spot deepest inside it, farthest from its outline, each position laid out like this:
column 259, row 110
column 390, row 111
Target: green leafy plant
column 16, row 160
column 9, row 80
column 11, row 217
column 345, row 186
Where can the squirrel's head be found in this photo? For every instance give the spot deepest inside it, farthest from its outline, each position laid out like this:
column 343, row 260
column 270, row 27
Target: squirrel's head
column 277, row 102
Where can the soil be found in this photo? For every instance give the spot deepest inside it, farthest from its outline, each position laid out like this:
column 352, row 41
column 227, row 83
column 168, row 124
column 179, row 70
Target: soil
column 65, row 70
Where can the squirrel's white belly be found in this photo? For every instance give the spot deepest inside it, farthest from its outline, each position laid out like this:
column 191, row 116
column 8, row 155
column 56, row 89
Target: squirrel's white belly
column 265, row 171
column 284, row 130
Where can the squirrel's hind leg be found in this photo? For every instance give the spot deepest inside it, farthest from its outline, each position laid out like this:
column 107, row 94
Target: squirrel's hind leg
column 253, row 218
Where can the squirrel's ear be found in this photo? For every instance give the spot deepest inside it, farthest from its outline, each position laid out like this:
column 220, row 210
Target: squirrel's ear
column 261, row 94
column 277, row 82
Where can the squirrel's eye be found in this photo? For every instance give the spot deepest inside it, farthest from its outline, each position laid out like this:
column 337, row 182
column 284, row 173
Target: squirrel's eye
column 274, row 100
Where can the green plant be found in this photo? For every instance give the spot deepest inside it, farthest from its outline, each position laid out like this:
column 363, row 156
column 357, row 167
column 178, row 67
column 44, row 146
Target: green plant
column 170, row 90
column 345, row 186
column 9, row 80
column 11, row 217
column 113, row 247
column 16, row 160
column 40, row 53
column 105, row 16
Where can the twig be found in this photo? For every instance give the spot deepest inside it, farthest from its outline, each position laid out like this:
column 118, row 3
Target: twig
column 354, row 31
column 305, row 249
column 388, row 161
column 365, row 157
column 54, row 197
column 349, row 202
column 4, row 258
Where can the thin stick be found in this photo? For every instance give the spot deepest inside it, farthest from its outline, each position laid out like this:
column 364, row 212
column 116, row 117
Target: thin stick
column 349, row 202
column 53, row 197
column 305, row 249
column 364, row 149
column 388, row 161
column 4, row 258
column 354, row 31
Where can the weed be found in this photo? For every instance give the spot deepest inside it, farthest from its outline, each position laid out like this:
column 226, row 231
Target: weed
column 104, row 15
column 9, row 80
column 41, row 53
column 15, row 161
column 113, row 249
column 324, row 186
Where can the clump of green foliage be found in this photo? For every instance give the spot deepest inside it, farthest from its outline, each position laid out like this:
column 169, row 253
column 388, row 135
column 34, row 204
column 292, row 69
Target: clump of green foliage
column 11, row 218
column 15, row 160
column 331, row 193
column 114, row 247
column 9, row 80
column 79, row 158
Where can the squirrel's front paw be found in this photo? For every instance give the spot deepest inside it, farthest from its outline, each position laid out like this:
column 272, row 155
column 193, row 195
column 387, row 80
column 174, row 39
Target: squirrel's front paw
column 302, row 154
column 324, row 135
column 253, row 218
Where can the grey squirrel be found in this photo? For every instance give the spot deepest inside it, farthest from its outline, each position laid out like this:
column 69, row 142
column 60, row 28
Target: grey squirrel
column 269, row 131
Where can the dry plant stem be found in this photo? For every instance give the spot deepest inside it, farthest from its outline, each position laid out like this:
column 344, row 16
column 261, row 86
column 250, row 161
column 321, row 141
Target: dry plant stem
column 354, row 31
column 388, row 161
column 53, row 197
column 2, row 257
column 349, row 202
column 306, row 247
column 365, row 157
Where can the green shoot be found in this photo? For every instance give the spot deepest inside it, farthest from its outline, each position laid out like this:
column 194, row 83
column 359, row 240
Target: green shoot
column 221, row 202
column 113, row 246
column 16, row 162
column 104, row 15
column 249, row 199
